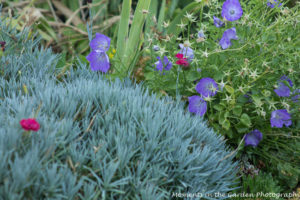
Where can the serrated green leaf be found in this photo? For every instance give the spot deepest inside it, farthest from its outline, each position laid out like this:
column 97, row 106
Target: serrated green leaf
column 237, row 110
column 245, row 119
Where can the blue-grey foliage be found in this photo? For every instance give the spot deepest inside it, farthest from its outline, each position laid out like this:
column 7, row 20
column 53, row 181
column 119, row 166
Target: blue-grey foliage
column 98, row 139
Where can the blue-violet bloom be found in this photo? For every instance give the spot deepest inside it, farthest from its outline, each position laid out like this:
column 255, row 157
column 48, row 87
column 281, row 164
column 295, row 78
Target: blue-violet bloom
column 99, row 61
column 253, row 138
column 232, row 10
column 207, row 87
column 273, row 3
column 100, row 42
column 187, row 52
column 218, row 23
column 283, row 90
column 229, row 34
column 197, row 105
column 165, row 65
column 280, row 118
column 296, row 95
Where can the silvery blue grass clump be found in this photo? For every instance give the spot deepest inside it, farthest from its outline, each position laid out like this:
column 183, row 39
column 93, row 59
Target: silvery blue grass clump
column 236, row 63
column 80, row 136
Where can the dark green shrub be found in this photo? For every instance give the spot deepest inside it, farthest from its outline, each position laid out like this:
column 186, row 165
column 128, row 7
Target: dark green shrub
column 98, row 139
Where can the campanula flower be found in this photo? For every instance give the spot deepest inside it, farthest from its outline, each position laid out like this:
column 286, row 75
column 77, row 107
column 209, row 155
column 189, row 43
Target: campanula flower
column 165, row 65
column 187, row 52
column 280, row 118
column 181, row 60
column 218, row 23
column 253, row 138
column 283, row 90
column 229, row 34
column 156, row 48
column 207, row 87
column 30, row 124
column 100, row 42
column 232, row 10
column 197, row 105
column 273, row 3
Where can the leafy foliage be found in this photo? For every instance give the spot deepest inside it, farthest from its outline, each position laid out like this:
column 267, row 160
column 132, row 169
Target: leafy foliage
column 98, row 139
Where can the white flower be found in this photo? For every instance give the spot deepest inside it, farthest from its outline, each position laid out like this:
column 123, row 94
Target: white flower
column 227, row 99
column 166, row 24
column 253, row 74
column 205, row 53
column 190, row 17
column 182, row 25
column 162, row 51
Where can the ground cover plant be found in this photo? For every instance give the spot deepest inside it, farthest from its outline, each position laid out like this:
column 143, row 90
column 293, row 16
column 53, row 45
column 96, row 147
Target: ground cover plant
column 81, row 136
column 233, row 63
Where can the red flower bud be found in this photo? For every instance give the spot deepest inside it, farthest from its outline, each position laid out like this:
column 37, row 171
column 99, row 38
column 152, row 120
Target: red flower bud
column 30, row 124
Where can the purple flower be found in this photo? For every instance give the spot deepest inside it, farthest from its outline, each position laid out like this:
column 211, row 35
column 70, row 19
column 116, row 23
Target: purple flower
column 197, row 105
column 283, row 90
column 99, row 61
column 296, row 95
column 98, row 58
column 253, row 138
column 232, row 10
column 156, row 48
column 218, row 23
column 201, row 34
column 165, row 65
column 207, row 87
column 229, row 34
column 273, row 3
column 100, row 42
column 280, row 118
column 187, row 52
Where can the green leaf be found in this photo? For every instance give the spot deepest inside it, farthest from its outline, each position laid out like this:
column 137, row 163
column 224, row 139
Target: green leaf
column 223, row 117
column 218, row 107
column 237, row 110
column 245, row 119
column 229, row 89
column 161, row 17
column 241, row 128
column 226, row 125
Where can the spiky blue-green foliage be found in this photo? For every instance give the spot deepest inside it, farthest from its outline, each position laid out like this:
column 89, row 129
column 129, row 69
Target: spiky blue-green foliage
column 98, row 139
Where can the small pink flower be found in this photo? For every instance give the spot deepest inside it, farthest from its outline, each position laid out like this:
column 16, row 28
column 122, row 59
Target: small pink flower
column 30, row 124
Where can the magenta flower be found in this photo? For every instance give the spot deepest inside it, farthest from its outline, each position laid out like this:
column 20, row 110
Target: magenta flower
column 283, row 90
column 30, row 124
column 280, row 118
column 187, row 52
column 181, row 60
column 232, row 10
column 273, row 3
column 229, row 34
column 98, row 57
column 207, row 87
column 197, row 105
column 165, row 65
column 253, row 138
column 218, row 23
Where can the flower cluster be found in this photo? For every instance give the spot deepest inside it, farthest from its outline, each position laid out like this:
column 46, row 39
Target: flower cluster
column 181, row 60
column 98, row 58
column 273, row 3
column 163, row 65
column 30, row 124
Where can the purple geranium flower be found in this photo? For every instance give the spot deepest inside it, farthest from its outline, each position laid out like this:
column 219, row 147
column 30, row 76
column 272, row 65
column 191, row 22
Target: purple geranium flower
column 280, row 118
column 273, row 3
column 99, row 61
column 253, row 138
column 218, row 23
column 232, row 10
column 283, row 90
column 165, row 65
column 197, row 105
column 100, row 42
column 229, row 34
column 201, row 34
column 187, row 52
column 207, row 87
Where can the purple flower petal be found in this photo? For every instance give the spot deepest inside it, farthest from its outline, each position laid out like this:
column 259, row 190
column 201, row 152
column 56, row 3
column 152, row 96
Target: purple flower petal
column 187, row 52
column 207, row 87
column 296, row 96
column 232, row 10
column 197, row 105
column 280, row 118
column 166, row 65
column 282, row 90
column 99, row 61
column 229, row 34
column 100, row 42
column 218, row 23
column 253, row 138
column 273, row 3
column 285, row 78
